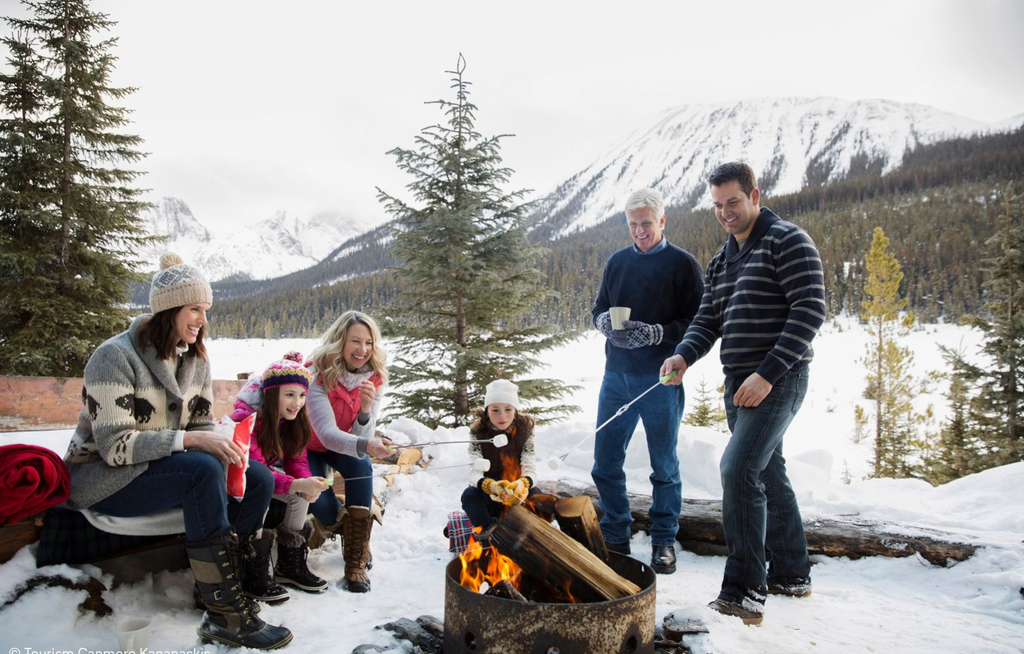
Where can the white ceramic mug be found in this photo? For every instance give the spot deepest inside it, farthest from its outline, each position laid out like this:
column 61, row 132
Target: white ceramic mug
column 133, row 635
column 619, row 315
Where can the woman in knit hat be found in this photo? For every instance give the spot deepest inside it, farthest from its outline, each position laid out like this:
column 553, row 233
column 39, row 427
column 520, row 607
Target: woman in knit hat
column 280, row 434
column 510, row 478
column 145, row 443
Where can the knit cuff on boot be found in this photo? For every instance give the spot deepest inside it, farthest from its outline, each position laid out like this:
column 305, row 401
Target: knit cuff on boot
column 289, row 538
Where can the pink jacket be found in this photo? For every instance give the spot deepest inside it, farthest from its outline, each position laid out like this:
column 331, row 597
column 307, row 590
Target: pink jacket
column 294, row 468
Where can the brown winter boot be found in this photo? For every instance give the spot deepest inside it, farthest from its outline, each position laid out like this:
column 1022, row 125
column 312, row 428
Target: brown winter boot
column 320, row 533
column 356, row 529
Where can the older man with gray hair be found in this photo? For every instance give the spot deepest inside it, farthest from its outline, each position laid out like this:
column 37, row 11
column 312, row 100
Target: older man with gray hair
column 662, row 285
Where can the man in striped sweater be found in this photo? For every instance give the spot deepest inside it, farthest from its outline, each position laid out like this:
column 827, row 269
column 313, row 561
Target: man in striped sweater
column 764, row 296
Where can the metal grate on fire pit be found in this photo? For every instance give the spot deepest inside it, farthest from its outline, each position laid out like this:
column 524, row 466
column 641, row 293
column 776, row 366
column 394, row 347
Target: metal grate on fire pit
column 483, row 624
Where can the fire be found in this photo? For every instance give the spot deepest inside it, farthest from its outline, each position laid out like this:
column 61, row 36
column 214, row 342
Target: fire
column 479, row 566
column 510, row 465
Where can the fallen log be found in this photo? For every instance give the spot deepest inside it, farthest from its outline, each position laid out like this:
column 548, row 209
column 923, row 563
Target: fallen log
column 700, row 529
column 547, row 553
column 577, row 518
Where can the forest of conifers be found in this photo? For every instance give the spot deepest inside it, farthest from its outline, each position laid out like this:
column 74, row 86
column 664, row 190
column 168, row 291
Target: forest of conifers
column 939, row 209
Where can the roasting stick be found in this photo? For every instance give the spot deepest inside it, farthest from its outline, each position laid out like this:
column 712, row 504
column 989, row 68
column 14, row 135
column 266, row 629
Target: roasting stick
column 483, row 465
column 556, row 462
column 501, row 440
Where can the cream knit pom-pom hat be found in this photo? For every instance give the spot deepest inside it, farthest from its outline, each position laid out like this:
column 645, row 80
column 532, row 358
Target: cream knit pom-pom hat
column 177, row 284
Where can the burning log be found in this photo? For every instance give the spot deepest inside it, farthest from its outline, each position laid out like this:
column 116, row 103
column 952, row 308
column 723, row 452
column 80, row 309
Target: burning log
column 547, row 553
column 700, row 530
column 505, row 590
column 577, row 518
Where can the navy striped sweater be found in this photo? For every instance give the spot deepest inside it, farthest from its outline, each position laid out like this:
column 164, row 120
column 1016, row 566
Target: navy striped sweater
column 765, row 301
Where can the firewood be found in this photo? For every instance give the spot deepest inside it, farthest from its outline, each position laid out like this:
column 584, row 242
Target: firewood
column 576, row 516
column 548, row 553
column 505, row 590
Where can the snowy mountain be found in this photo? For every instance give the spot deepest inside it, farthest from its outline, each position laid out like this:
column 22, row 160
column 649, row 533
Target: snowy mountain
column 273, row 247
column 790, row 142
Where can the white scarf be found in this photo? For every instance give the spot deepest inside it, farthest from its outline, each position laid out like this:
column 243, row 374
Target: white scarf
column 352, row 380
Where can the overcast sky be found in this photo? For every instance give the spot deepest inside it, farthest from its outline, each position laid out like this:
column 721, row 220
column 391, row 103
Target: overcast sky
column 248, row 107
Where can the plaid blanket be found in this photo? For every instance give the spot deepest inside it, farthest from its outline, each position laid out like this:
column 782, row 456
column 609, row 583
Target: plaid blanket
column 458, row 531
column 67, row 537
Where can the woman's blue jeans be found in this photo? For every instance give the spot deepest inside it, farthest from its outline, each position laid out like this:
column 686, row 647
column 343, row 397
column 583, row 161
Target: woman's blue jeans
column 358, row 492
column 195, row 482
column 661, row 410
column 759, row 509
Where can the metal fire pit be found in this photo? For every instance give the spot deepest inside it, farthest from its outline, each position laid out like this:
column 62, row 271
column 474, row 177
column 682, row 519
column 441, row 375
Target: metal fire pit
column 483, row 624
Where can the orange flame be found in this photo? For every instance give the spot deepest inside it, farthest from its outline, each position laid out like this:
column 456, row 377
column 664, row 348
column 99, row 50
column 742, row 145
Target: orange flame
column 490, row 566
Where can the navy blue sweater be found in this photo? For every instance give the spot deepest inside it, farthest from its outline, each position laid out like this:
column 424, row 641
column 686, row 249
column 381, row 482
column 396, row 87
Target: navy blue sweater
column 765, row 301
column 662, row 287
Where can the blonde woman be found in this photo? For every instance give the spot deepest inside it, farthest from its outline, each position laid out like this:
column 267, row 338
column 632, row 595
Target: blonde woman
column 343, row 405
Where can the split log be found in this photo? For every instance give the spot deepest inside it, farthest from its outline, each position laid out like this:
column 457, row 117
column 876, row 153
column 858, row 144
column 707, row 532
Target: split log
column 700, row 530
column 505, row 590
column 547, row 553
column 577, row 518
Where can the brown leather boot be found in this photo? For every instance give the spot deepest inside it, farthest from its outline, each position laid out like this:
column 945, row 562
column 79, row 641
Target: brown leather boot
column 321, row 533
column 356, row 529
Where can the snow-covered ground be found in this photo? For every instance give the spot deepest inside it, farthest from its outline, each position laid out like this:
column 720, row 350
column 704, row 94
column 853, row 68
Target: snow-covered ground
column 868, row 605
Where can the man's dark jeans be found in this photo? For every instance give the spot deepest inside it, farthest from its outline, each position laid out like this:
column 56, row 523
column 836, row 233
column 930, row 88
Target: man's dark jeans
column 759, row 509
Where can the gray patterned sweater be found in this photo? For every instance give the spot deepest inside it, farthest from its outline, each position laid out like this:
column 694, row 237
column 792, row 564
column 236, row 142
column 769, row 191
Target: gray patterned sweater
column 133, row 412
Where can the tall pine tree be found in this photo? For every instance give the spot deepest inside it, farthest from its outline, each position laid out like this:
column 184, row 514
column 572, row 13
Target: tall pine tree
column 1000, row 400
column 68, row 214
column 890, row 385
column 467, row 277
column 958, row 451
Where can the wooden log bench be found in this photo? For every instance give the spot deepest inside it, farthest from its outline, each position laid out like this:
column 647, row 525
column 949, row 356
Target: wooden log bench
column 700, row 530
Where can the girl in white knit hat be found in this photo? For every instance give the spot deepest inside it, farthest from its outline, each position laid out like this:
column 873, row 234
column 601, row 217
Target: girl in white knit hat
column 510, row 478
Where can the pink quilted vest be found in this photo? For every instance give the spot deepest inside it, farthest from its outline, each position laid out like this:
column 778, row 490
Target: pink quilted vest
column 346, row 405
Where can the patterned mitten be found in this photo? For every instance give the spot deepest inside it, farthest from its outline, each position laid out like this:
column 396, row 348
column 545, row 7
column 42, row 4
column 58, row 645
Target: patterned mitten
column 641, row 334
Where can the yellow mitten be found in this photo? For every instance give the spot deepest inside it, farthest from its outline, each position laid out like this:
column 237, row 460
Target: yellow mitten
column 520, row 488
column 496, row 488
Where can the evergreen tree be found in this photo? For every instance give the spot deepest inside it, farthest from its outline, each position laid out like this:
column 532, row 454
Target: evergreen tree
column 704, row 412
column 890, row 384
column 957, row 452
column 1000, row 400
column 68, row 215
column 466, row 276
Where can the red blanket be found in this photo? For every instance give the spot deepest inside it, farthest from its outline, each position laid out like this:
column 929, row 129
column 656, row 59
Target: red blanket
column 32, row 479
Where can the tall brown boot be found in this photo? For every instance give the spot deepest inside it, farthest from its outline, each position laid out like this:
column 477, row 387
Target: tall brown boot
column 356, row 534
column 321, row 533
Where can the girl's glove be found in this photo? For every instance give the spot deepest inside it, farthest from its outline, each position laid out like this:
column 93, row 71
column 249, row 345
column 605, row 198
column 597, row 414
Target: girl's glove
column 496, row 488
column 520, row 488
column 604, row 324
